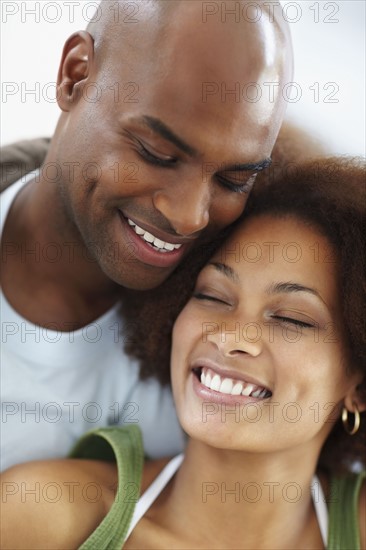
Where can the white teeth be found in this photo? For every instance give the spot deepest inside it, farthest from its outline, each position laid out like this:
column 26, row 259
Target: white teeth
column 148, row 237
column 226, row 386
column 215, row 383
column 203, row 378
column 208, row 379
column 158, row 243
column 248, row 389
column 162, row 246
column 237, row 389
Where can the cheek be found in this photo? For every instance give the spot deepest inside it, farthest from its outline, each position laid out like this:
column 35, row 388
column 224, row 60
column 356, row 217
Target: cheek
column 314, row 371
column 182, row 333
column 226, row 208
column 186, row 332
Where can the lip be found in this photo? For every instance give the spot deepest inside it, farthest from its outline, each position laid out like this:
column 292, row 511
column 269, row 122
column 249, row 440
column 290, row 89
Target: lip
column 228, row 373
column 213, row 396
column 166, row 237
column 145, row 253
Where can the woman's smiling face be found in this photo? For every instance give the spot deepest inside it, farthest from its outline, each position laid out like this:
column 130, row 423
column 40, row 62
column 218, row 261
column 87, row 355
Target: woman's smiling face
column 258, row 358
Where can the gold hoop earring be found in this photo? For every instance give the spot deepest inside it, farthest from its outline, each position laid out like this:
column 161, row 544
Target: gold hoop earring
column 357, row 421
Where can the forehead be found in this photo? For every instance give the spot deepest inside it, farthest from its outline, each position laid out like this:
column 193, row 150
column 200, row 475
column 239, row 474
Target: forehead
column 266, row 249
column 211, row 77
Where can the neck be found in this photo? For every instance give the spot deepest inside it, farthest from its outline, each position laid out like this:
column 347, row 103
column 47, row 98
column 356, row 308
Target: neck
column 51, row 255
column 263, row 500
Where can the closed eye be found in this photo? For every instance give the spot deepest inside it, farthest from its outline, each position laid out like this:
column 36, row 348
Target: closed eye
column 244, row 187
column 293, row 321
column 209, row 298
column 153, row 159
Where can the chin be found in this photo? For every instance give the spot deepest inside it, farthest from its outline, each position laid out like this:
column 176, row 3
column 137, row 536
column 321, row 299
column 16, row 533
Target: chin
column 213, row 431
column 143, row 283
column 141, row 278
column 215, row 438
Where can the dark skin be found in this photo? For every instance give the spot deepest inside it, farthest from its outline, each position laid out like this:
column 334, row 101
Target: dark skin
column 106, row 152
column 221, row 452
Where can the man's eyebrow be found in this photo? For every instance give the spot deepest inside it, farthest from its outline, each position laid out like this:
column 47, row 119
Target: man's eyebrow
column 165, row 132
column 226, row 270
column 287, row 287
column 250, row 166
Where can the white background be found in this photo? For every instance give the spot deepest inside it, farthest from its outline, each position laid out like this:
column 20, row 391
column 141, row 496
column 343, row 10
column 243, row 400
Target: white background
column 329, row 43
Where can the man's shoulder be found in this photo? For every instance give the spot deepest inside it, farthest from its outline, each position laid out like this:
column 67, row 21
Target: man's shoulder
column 17, row 159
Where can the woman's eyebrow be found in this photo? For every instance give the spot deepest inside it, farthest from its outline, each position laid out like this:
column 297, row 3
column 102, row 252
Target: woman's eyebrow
column 287, row 287
column 226, row 270
column 274, row 288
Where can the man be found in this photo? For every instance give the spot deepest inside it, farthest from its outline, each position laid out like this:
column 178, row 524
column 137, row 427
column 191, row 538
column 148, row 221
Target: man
column 152, row 155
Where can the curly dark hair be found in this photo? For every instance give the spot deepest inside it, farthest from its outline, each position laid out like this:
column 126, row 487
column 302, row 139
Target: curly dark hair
column 328, row 193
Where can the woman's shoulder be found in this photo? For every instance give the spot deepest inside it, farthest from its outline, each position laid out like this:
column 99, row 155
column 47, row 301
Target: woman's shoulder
column 152, row 468
column 55, row 504
column 362, row 513
column 347, row 509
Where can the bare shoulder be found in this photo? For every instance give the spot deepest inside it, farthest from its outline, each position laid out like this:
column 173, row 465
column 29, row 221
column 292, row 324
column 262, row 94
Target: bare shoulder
column 362, row 515
column 54, row 504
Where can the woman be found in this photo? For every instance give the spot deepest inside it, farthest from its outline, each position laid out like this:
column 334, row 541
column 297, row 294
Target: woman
column 268, row 376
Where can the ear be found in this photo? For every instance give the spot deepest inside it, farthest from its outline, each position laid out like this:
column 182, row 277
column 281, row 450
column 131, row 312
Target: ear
column 75, row 67
column 356, row 397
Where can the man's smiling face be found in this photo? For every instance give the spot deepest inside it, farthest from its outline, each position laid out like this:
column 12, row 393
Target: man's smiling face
column 166, row 154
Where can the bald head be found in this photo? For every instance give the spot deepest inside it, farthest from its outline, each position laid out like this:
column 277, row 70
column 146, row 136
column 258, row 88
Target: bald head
column 225, row 52
column 235, row 28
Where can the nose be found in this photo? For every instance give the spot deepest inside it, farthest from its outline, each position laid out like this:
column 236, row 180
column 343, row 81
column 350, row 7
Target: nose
column 186, row 205
column 235, row 339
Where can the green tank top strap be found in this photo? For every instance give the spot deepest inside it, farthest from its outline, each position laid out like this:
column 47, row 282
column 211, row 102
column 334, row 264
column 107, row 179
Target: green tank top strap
column 343, row 533
column 124, row 446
